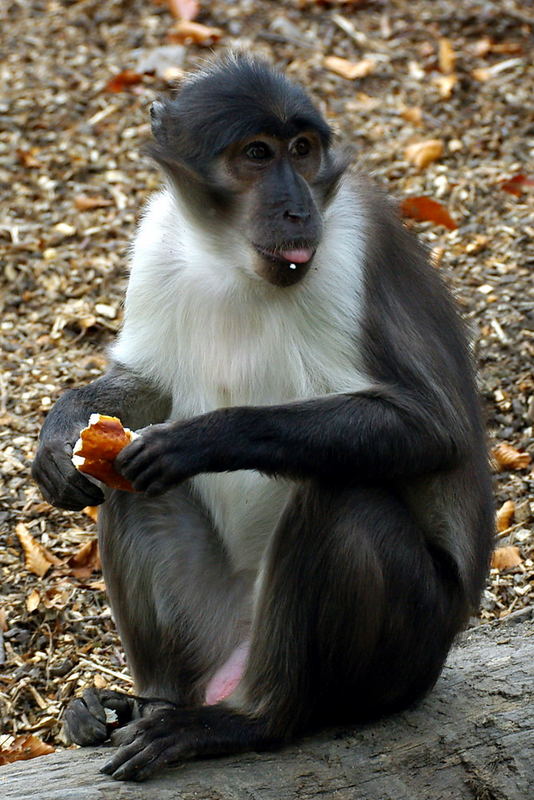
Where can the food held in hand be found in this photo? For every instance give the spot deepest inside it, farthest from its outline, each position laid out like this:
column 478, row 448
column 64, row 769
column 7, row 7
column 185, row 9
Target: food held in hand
column 98, row 446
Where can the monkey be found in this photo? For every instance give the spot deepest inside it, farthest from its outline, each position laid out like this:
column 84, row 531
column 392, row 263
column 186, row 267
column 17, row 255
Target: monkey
column 312, row 519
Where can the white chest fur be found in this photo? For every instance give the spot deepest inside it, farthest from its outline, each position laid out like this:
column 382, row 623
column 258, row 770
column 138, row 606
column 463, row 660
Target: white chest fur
column 212, row 334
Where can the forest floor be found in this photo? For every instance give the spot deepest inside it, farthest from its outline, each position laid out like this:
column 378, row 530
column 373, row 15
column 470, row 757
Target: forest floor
column 73, row 183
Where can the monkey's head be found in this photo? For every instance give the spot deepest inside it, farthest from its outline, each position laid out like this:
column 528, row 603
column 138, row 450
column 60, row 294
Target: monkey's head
column 247, row 151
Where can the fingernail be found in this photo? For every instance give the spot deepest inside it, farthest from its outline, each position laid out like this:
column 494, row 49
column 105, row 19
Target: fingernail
column 119, row 774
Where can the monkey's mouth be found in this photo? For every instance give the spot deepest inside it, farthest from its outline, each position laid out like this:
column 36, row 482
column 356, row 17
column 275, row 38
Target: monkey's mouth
column 292, row 257
column 284, row 266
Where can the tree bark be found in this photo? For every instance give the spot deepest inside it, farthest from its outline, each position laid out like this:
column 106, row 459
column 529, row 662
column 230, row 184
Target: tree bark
column 472, row 738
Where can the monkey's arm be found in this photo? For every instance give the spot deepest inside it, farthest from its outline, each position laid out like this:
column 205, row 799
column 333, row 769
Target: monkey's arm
column 345, row 438
column 119, row 393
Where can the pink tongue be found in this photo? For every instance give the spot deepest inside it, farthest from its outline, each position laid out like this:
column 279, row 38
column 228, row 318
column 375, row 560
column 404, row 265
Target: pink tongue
column 297, row 256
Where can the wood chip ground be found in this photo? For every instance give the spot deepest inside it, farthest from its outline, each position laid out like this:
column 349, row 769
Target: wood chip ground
column 73, row 184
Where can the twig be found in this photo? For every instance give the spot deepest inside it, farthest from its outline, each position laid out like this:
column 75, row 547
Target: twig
column 281, row 39
column 106, row 670
column 348, row 28
column 511, row 529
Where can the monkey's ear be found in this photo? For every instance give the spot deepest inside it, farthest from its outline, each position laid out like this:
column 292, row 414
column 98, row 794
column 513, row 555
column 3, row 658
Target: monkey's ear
column 158, row 116
column 331, row 173
column 155, row 116
column 171, row 148
column 206, row 200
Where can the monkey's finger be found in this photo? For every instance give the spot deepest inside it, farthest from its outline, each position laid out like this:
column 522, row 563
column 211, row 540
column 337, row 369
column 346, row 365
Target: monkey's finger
column 145, row 471
column 154, row 484
column 139, row 764
column 67, row 489
column 61, row 481
column 124, row 753
column 156, row 476
column 127, row 734
column 152, row 477
column 157, row 488
column 129, row 453
column 81, row 727
column 153, row 725
column 156, row 756
column 94, row 704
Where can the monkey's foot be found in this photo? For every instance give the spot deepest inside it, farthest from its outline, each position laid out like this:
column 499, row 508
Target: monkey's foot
column 91, row 718
column 172, row 735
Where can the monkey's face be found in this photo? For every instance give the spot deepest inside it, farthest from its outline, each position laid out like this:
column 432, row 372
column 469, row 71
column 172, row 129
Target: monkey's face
column 249, row 158
column 278, row 206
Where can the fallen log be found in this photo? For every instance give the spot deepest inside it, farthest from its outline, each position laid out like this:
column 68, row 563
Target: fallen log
column 472, row 738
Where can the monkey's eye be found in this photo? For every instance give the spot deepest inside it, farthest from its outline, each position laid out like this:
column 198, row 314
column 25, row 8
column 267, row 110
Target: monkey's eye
column 301, row 147
column 257, row 151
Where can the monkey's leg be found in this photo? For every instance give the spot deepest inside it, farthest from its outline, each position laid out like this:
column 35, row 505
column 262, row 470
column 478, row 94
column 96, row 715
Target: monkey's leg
column 354, row 618
column 356, row 613
column 180, row 608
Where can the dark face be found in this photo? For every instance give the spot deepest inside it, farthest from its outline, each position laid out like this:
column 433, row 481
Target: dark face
column 279, row 209
column 249, row 155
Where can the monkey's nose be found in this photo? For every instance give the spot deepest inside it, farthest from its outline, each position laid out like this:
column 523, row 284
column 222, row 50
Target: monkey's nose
column 297, row 216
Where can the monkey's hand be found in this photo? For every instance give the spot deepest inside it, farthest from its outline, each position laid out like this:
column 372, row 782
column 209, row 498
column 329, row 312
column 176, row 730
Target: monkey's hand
column 60, row 482
column 91, row 718
column 165, row 455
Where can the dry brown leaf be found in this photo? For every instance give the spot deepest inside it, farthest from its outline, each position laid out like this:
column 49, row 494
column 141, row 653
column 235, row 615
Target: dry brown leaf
column 85, row 561
column 187, row 32
column 425, row 209
column 477, row 244
column 85, row 203
column 33, row 601
column 446, row 56
column 183, row 9
column 92, row 512
column 38, row 558
column 123, row 80
column 41, row 508
column 349, row 69
column 505, row 515
column 98, row 586
column 446, row 84
column 57, row 596
column 27, row 158
column 506, row 558
column 23, row 748
column 517, row 185
column 507, row 457
column 412, row 114
column 421, row 154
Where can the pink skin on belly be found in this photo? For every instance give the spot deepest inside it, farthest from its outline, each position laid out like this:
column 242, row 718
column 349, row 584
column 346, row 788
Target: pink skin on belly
column 228, row 676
